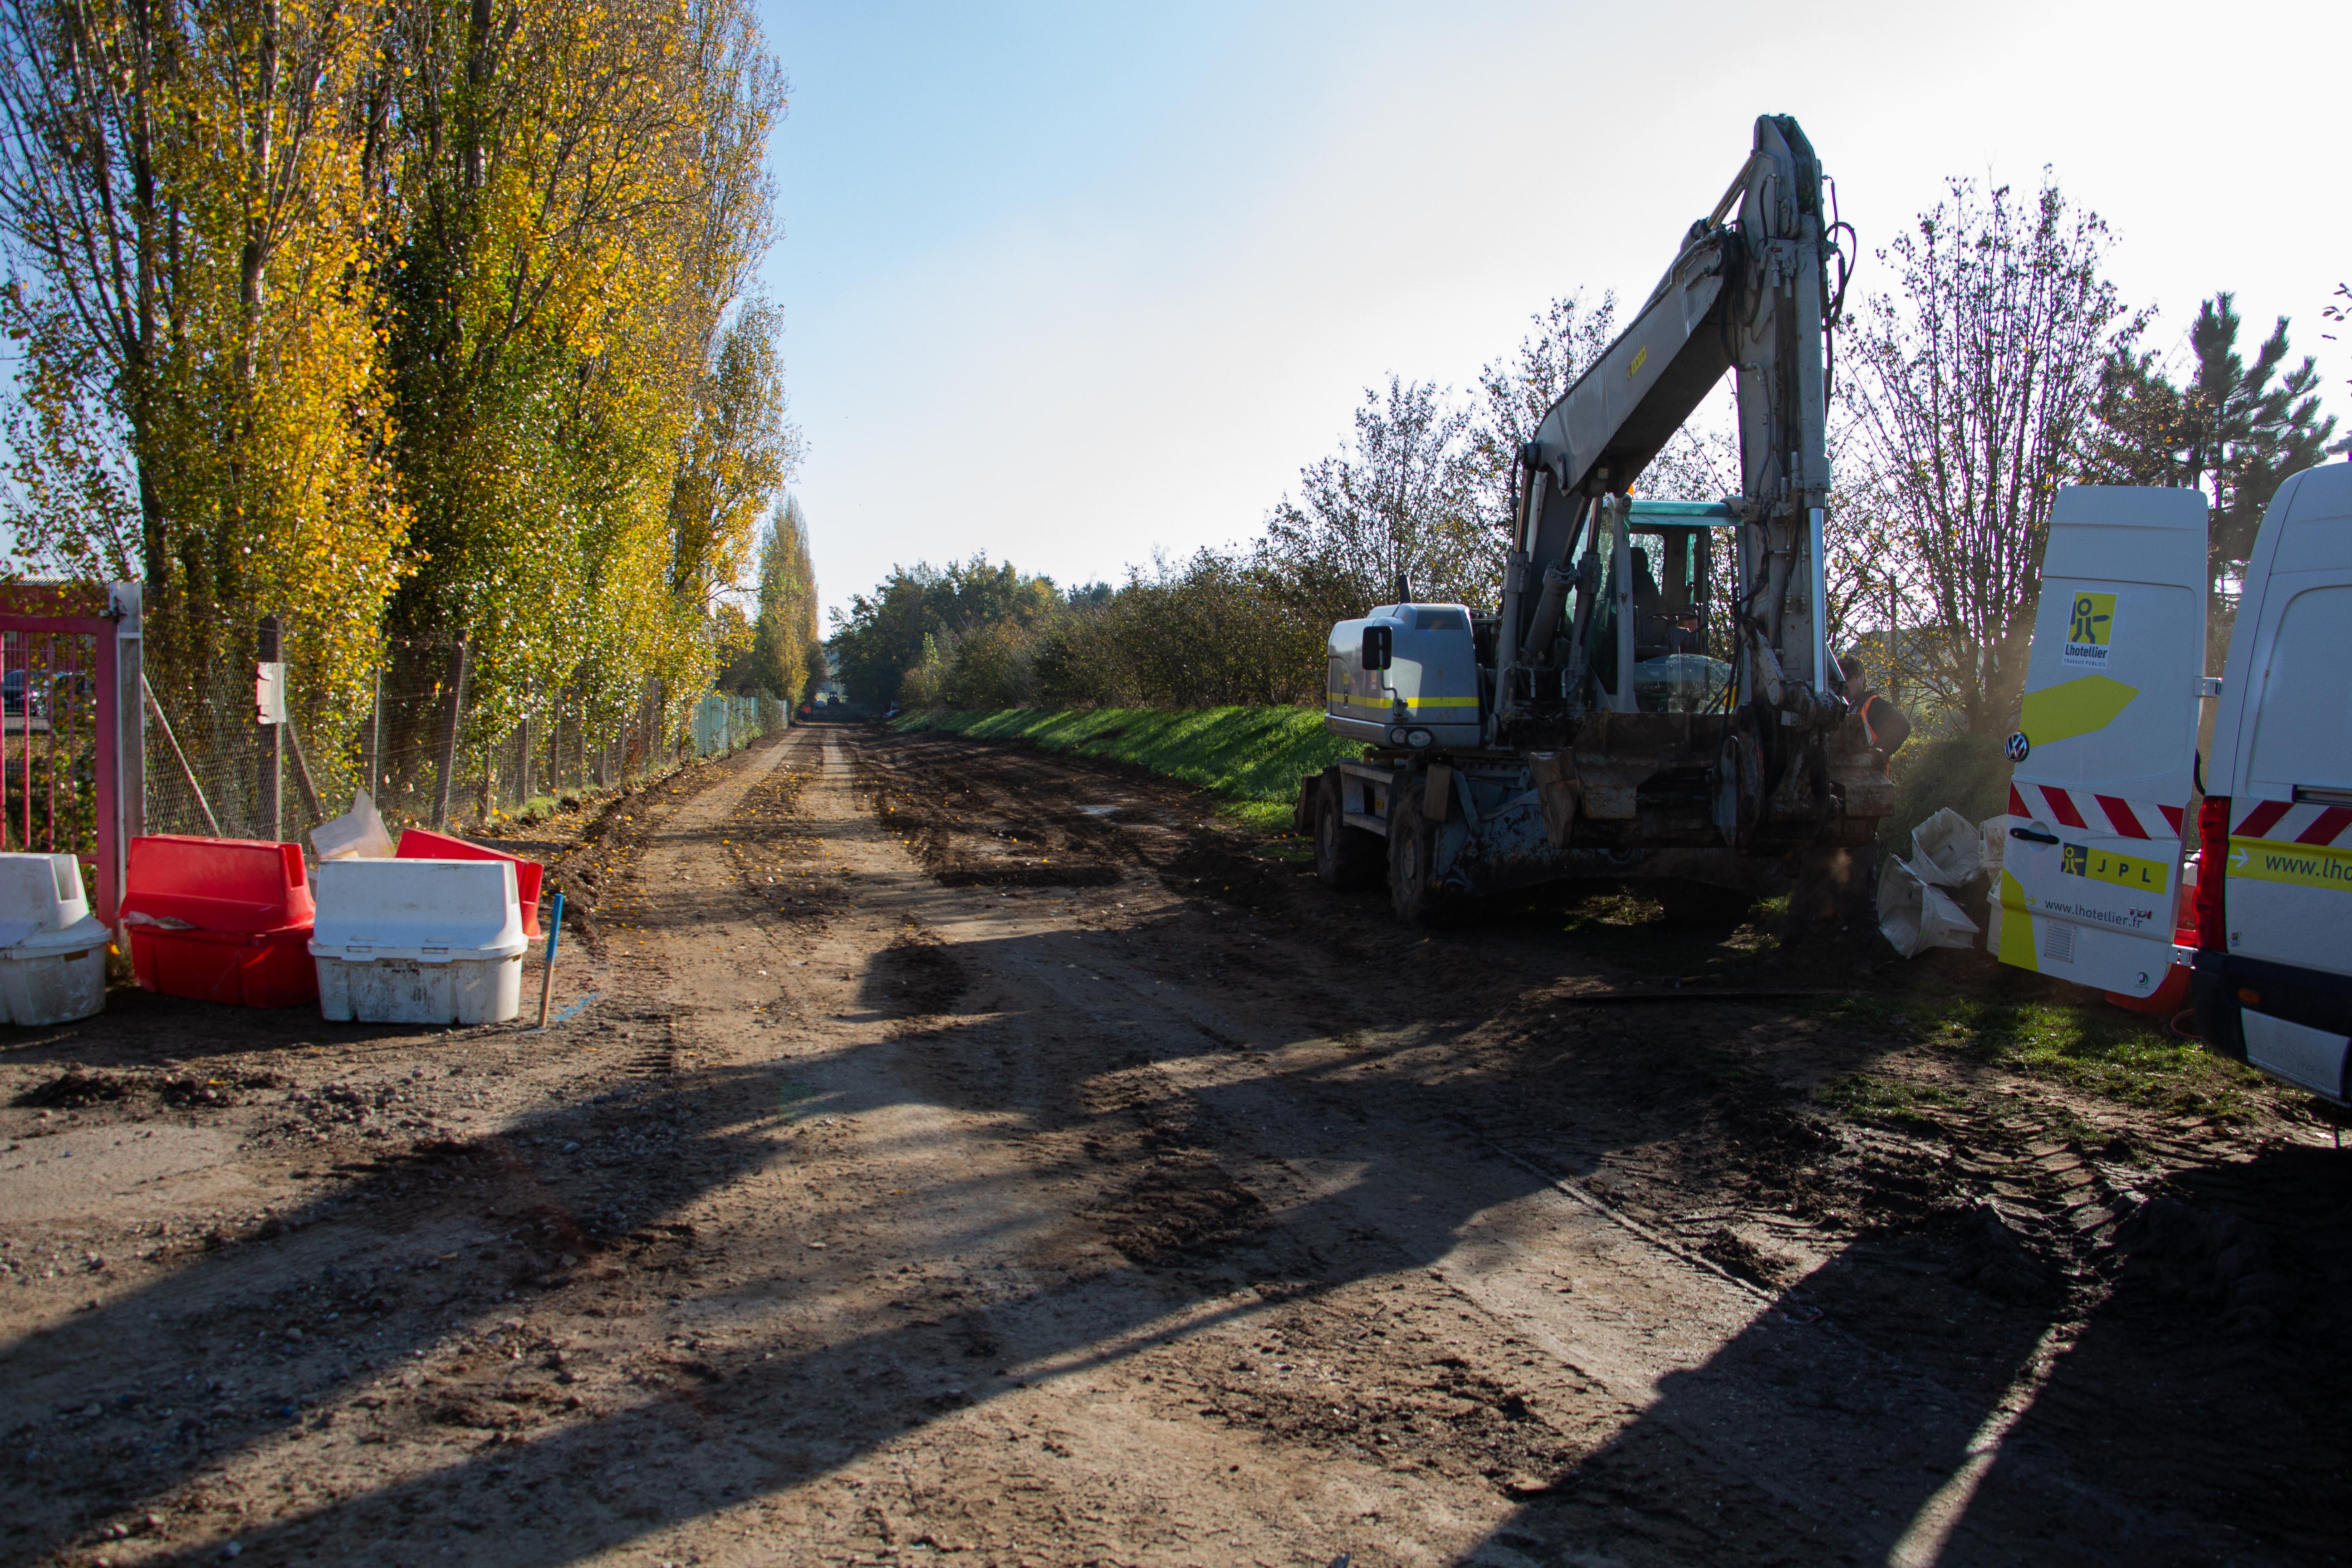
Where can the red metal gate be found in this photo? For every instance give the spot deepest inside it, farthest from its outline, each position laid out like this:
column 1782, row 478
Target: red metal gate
column 72, row 727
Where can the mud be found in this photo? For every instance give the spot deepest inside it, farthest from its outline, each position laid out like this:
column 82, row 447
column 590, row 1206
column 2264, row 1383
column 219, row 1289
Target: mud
column 953, row 1153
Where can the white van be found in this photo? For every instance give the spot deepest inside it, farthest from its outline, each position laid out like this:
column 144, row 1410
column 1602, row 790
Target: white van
column 2106, row 777
column 2274, row 968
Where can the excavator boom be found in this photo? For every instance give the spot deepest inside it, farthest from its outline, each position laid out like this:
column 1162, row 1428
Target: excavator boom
column 1745, row 293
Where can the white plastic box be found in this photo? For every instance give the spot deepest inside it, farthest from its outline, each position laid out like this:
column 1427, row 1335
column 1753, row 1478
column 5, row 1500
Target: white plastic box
column 418, row 942
column 52, row 948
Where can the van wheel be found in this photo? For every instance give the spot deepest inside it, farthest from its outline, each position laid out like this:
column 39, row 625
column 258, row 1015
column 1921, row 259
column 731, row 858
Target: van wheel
column 2219, row 1021
column 1413, row 872
column 1346, row 858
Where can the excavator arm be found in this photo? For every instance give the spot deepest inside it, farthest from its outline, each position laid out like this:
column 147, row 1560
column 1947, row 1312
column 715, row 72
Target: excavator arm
column 1746, row 294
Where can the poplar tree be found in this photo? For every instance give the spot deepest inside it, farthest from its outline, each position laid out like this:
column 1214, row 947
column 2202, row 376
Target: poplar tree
column 786, row 657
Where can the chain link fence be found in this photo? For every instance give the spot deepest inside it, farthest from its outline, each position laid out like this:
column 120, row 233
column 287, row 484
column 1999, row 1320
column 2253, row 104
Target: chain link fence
column 418, row 743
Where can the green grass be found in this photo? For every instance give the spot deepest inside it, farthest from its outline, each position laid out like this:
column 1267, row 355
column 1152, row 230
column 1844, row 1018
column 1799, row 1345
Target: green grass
column 1252, row 758
column 1872, row 1097
column 2120, row 1056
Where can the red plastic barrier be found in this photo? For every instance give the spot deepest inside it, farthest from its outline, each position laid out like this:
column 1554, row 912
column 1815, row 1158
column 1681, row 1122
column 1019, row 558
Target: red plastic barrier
column 221, row 919
column 424, row 844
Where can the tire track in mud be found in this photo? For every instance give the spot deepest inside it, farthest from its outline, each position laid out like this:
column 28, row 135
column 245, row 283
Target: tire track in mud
column 1186, row 1216
column 1703, row 1349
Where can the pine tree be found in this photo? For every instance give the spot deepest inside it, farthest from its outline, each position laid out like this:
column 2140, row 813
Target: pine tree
column 2236, row 431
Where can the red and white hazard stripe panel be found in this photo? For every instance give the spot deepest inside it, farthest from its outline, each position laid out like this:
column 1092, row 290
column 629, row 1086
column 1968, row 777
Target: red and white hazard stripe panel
column 2301, row 823
column 2079, row 808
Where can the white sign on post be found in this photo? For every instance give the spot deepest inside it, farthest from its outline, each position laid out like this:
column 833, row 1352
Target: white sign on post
column 269, row 692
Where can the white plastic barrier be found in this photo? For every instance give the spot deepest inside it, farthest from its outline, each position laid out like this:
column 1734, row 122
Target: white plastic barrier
column 358, row 831
column 52, row 948
column 418, row 942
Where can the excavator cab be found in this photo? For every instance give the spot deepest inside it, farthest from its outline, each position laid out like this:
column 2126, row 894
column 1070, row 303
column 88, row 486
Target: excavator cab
column 1654, row 611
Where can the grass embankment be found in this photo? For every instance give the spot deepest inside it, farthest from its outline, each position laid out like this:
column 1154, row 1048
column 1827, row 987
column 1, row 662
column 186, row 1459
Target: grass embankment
column 1250, row 757
column 2086, row 1046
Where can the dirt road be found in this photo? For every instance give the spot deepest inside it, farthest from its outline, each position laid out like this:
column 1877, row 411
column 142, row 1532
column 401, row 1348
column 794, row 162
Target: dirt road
column 966, row 1155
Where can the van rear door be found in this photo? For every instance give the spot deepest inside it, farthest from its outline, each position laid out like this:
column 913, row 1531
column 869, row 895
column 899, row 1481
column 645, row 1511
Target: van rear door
column 2282, row 752
column 2104, row 748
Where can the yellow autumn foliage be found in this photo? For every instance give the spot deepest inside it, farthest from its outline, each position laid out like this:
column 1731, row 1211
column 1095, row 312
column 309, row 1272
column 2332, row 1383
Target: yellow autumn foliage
column 404, row 321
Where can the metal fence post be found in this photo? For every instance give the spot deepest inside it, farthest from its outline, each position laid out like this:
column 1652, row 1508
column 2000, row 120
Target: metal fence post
column 266, row 650
column 375, row 737
column 123, row 602
column 449, row 738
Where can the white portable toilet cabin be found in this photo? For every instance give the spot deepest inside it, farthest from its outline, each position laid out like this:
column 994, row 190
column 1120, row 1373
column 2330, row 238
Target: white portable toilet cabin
column 418, row 942
column 52, row 948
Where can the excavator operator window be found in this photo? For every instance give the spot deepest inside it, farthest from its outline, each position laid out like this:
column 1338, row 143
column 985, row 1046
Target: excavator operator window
column 1670, row 592
column 1674, row 669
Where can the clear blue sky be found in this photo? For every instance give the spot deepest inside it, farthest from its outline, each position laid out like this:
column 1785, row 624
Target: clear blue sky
column 1068, row 283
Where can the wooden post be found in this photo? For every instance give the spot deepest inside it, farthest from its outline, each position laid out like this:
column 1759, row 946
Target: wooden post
column 547, row 969
column 302, row 771
column 449, row 774
column 267, row 650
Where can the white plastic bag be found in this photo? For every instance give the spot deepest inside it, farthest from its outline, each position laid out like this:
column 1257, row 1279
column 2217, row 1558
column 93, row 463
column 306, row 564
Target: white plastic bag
column 1947, row 850
column 358, row 834
column 1996, row 845
column 1915, row 917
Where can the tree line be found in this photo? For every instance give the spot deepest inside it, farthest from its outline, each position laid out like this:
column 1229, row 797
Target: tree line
column 401, row 320
column 1997, row 363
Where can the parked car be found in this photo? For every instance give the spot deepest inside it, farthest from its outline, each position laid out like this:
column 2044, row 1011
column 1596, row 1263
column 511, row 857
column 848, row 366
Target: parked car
column 14, row 687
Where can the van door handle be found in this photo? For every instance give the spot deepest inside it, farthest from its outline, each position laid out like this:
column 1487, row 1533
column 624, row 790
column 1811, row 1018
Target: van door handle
column 2033, row 837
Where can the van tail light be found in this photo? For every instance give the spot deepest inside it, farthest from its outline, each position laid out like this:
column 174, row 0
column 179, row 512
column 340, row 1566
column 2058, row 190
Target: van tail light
column 2213, row 873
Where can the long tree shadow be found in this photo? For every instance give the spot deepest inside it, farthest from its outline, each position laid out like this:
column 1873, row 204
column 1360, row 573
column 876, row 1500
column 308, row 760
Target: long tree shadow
column 2181, row 1422
column 414, row 1248
column 124, row 1402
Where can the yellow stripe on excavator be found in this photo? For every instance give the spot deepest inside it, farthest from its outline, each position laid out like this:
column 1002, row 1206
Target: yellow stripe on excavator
column 1387, row 704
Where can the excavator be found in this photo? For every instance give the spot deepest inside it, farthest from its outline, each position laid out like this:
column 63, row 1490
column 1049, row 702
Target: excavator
column 1654, row 700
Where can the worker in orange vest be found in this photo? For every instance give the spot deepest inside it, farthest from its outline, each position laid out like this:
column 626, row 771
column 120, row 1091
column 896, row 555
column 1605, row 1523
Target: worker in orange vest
column 1888, row 725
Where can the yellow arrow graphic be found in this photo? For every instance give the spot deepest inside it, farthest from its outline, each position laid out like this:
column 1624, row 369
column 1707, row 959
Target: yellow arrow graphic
column 2073, row 708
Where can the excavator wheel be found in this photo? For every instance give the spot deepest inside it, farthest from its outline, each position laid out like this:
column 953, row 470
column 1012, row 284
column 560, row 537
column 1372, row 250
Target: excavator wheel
column 1834, row 900
column 1413, row 881
column 1346, row 858
column 1702, row 906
